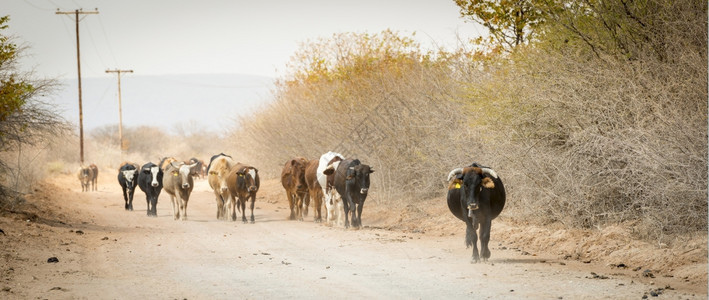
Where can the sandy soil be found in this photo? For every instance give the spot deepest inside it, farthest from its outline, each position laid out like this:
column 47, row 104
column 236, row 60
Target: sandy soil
column 105, row 252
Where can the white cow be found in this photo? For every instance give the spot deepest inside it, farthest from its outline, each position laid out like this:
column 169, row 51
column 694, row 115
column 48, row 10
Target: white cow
column 333, row 200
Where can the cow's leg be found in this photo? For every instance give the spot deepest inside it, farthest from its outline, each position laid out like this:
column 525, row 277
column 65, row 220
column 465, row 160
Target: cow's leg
column 299, row 206
column 147, row 201
column 359, row 214
column 472, row 240
column 471, row 237
column 242, row 203
column 220, row 205
column 485, row 227
column 153, row 206
column 183, row 209
column 306, row 203
column 232, row 207
column 317, row 206
column 291, row 202
column 253, row 202
column 329, row 207
column 125, row 198
column 130, row 198
column 175, row 208
column 346, row 205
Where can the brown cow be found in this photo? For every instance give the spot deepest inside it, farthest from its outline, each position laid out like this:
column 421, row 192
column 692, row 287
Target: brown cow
column 243, row 183
column 293, row 181
column 314, row 189
column 94, row 177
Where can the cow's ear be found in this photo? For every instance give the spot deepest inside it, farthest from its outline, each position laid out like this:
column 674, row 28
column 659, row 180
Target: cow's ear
column 488, row 183
column 371, row 171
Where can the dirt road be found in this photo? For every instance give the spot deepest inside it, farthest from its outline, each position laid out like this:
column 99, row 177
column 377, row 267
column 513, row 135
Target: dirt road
column 105, row 252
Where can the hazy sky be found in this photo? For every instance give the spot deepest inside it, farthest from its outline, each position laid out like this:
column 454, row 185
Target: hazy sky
column 155, row 37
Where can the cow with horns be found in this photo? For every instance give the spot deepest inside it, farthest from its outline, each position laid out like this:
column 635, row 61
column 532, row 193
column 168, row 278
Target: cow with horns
column 476, row 196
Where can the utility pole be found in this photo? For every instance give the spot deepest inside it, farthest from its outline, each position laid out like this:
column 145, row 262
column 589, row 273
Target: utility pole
column 120, row 109
column 76, row 14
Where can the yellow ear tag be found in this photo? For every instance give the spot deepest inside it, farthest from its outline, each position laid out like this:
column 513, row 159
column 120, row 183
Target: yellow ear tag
column 457, row 185
column 241, row 175
column 174, row 174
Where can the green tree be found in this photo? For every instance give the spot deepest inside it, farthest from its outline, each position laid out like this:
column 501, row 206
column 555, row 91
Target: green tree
column 510, row 22
column 24, row 118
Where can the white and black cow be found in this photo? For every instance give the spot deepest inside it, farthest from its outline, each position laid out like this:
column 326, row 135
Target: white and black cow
column 332, row 200
column 352, row 183
column 150, row 182
column 128, row 181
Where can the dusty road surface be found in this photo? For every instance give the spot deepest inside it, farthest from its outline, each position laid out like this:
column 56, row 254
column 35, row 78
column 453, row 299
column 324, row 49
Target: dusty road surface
column 105, row 252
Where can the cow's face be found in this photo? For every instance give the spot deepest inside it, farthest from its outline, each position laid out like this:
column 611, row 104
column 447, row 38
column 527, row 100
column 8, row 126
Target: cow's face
column 298, row 169
column 153, row 171
column 85, row 173
column 185, row 172
column 247, row 179
column 221, row 176
column 473, row 183
column 360, row 174
column 128, row 175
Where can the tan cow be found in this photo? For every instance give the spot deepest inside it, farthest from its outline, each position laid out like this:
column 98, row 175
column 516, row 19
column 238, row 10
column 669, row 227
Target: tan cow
column 177, row 181
column 165, row 162
column 293, row 181
column 217, row 176
column 243, row 183
column 84, row 175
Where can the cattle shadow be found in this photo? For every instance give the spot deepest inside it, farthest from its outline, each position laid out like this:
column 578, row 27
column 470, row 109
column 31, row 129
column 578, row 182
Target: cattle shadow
column 521, row 261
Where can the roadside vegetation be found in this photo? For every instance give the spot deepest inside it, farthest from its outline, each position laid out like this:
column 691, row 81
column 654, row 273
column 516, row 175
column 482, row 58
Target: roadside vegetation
column 25, row 122
column 593, row 112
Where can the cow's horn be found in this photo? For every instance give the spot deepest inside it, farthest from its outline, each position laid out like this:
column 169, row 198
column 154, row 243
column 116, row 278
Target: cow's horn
column 490, row 172
column 454, row 172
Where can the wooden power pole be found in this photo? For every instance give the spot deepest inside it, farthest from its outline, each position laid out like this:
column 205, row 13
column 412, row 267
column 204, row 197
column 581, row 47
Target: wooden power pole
column 76, row 14
column 120, row 109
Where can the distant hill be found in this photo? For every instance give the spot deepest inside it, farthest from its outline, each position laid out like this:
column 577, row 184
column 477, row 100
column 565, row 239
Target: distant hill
column 210, row 101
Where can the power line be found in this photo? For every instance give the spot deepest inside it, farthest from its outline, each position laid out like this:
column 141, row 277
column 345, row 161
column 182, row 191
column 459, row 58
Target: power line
column 78, row 66
column 120, row 109
column 108, row 42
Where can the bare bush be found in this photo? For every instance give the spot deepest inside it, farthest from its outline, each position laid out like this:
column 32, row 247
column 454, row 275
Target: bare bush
column 609, row 139
column 583, row 134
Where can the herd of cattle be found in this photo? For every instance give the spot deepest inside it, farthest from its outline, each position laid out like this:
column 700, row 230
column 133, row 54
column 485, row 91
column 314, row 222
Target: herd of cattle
column 476, row 194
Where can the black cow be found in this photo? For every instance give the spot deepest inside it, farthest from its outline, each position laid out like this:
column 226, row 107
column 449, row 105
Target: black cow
column 128, row 181
column 352, row 183
column 476, row 196
column 199, row 168
column 150, row 182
